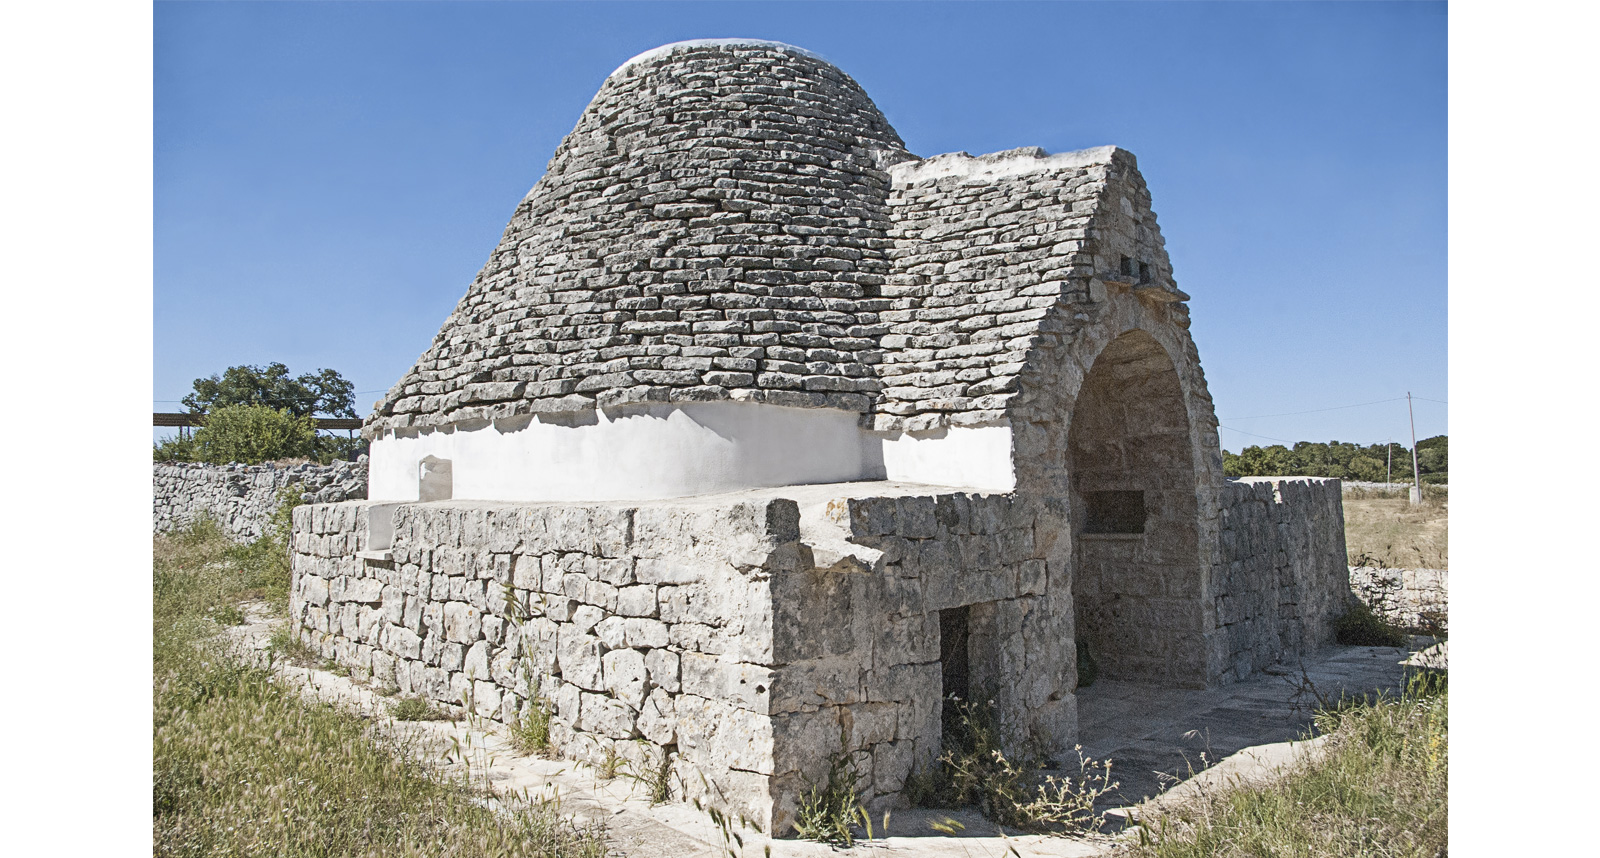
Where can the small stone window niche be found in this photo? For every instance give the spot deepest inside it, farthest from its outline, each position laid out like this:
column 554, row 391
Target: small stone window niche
column 1135, row 270
column 434, row 479
column 1114, row 512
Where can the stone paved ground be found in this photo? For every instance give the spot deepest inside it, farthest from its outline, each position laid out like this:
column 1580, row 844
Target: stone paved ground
column 1143, row 729
column 1153, row 734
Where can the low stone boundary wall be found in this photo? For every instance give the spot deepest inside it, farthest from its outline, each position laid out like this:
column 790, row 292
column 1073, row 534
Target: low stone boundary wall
column 1283, row 577
column 242, row 498
column 1417, row 599
column 719, row 630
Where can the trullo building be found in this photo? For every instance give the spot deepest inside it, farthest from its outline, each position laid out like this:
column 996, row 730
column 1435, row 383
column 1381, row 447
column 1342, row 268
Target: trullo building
column 758, row 435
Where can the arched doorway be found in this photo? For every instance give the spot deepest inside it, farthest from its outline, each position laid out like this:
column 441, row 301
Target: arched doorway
column 1137, row 581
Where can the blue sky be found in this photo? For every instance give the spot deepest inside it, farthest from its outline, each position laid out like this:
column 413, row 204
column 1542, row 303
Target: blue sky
column 328, row 178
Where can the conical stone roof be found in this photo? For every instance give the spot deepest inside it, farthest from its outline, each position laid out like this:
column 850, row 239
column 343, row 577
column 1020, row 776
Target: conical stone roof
column 715, row 227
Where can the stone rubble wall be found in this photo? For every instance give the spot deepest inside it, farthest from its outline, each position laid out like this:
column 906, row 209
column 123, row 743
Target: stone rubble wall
column 1283, row 579
column 701, row 628
column 1410, row 598
column 242, row 498
column 862, row 637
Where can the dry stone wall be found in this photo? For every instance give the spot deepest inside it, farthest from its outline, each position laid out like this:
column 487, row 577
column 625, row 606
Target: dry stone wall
column 242, row 498
column 713, row 228
column 704, row 628
column 1283, row 578
column 1410, row 598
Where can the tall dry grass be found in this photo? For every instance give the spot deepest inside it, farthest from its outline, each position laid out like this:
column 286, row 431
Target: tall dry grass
column 1384, row 529
column 1378, row 788
column 244, row 766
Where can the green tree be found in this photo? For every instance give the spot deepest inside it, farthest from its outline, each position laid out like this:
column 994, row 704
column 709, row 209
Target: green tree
column 253, row 434
column 322, row 392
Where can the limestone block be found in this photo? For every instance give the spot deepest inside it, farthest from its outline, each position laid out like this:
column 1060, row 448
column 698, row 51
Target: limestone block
column 802, row 741
column 601, row 595
column 314, row 590
column 402, row 642
column 612, row 632
column 505, row 669
column 906, row 640
column 458, row 689
column 412, row 619
column 393, row 605
column 747, row 686
column 819, row 682
column 637, row 601
column 644, row 632
column 452, row 656
column 914, row 518
column 494, row 629
column 578, row 658
column 586, row 617
column 616, row 571
column 568, row 702
column 368, row 622
column 743, row 740
column 666, row 570
column 903, row 682
column 463, row 623
column 869, row 723
column 526, row 572
column 625, row 676
column 662, row 666
column 812, row 614
column 892, row 763
column 656, row 720
column 476, row 661
column 364, row 590
column 607, row 717
column 486, row 698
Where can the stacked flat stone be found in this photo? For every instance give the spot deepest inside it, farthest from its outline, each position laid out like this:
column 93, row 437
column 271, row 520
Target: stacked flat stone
column 1282, row 575
column 1417, row 599
column 992, row 256
column 242, row 498
column 712, row 629
column 739, row 221
column 711, row 229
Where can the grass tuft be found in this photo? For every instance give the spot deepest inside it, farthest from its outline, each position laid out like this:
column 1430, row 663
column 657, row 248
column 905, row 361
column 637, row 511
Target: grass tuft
column 831, row 811
column 1378, row 788
column 244, row 766
column 1359, row 626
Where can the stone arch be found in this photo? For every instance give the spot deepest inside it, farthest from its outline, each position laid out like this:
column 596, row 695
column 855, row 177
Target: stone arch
column 1138, row 581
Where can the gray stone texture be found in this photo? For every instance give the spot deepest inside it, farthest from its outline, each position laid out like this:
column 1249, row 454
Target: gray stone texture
column 242, row 498
column 739, row 222
column 715, row 227
column 1409, row 598
column 1283, row 579
column 755, row 661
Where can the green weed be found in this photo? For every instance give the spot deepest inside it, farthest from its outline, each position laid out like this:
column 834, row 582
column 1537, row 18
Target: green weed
column 1378, row 787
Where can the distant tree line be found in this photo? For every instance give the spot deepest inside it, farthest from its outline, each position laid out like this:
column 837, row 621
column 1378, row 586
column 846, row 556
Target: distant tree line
column 1342, row 460
column 260, row 414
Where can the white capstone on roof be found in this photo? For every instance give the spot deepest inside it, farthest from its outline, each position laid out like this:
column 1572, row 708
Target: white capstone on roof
column 735, row 220
column 998, row 165
column 691, row 44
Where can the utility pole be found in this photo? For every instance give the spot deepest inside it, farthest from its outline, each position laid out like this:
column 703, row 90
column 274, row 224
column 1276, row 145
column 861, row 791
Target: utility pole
column 1388, row 466
column 1416, row 473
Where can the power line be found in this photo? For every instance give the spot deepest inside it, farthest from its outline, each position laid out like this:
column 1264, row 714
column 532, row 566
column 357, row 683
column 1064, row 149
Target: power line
column 1317, row 410
column 1254, row 435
